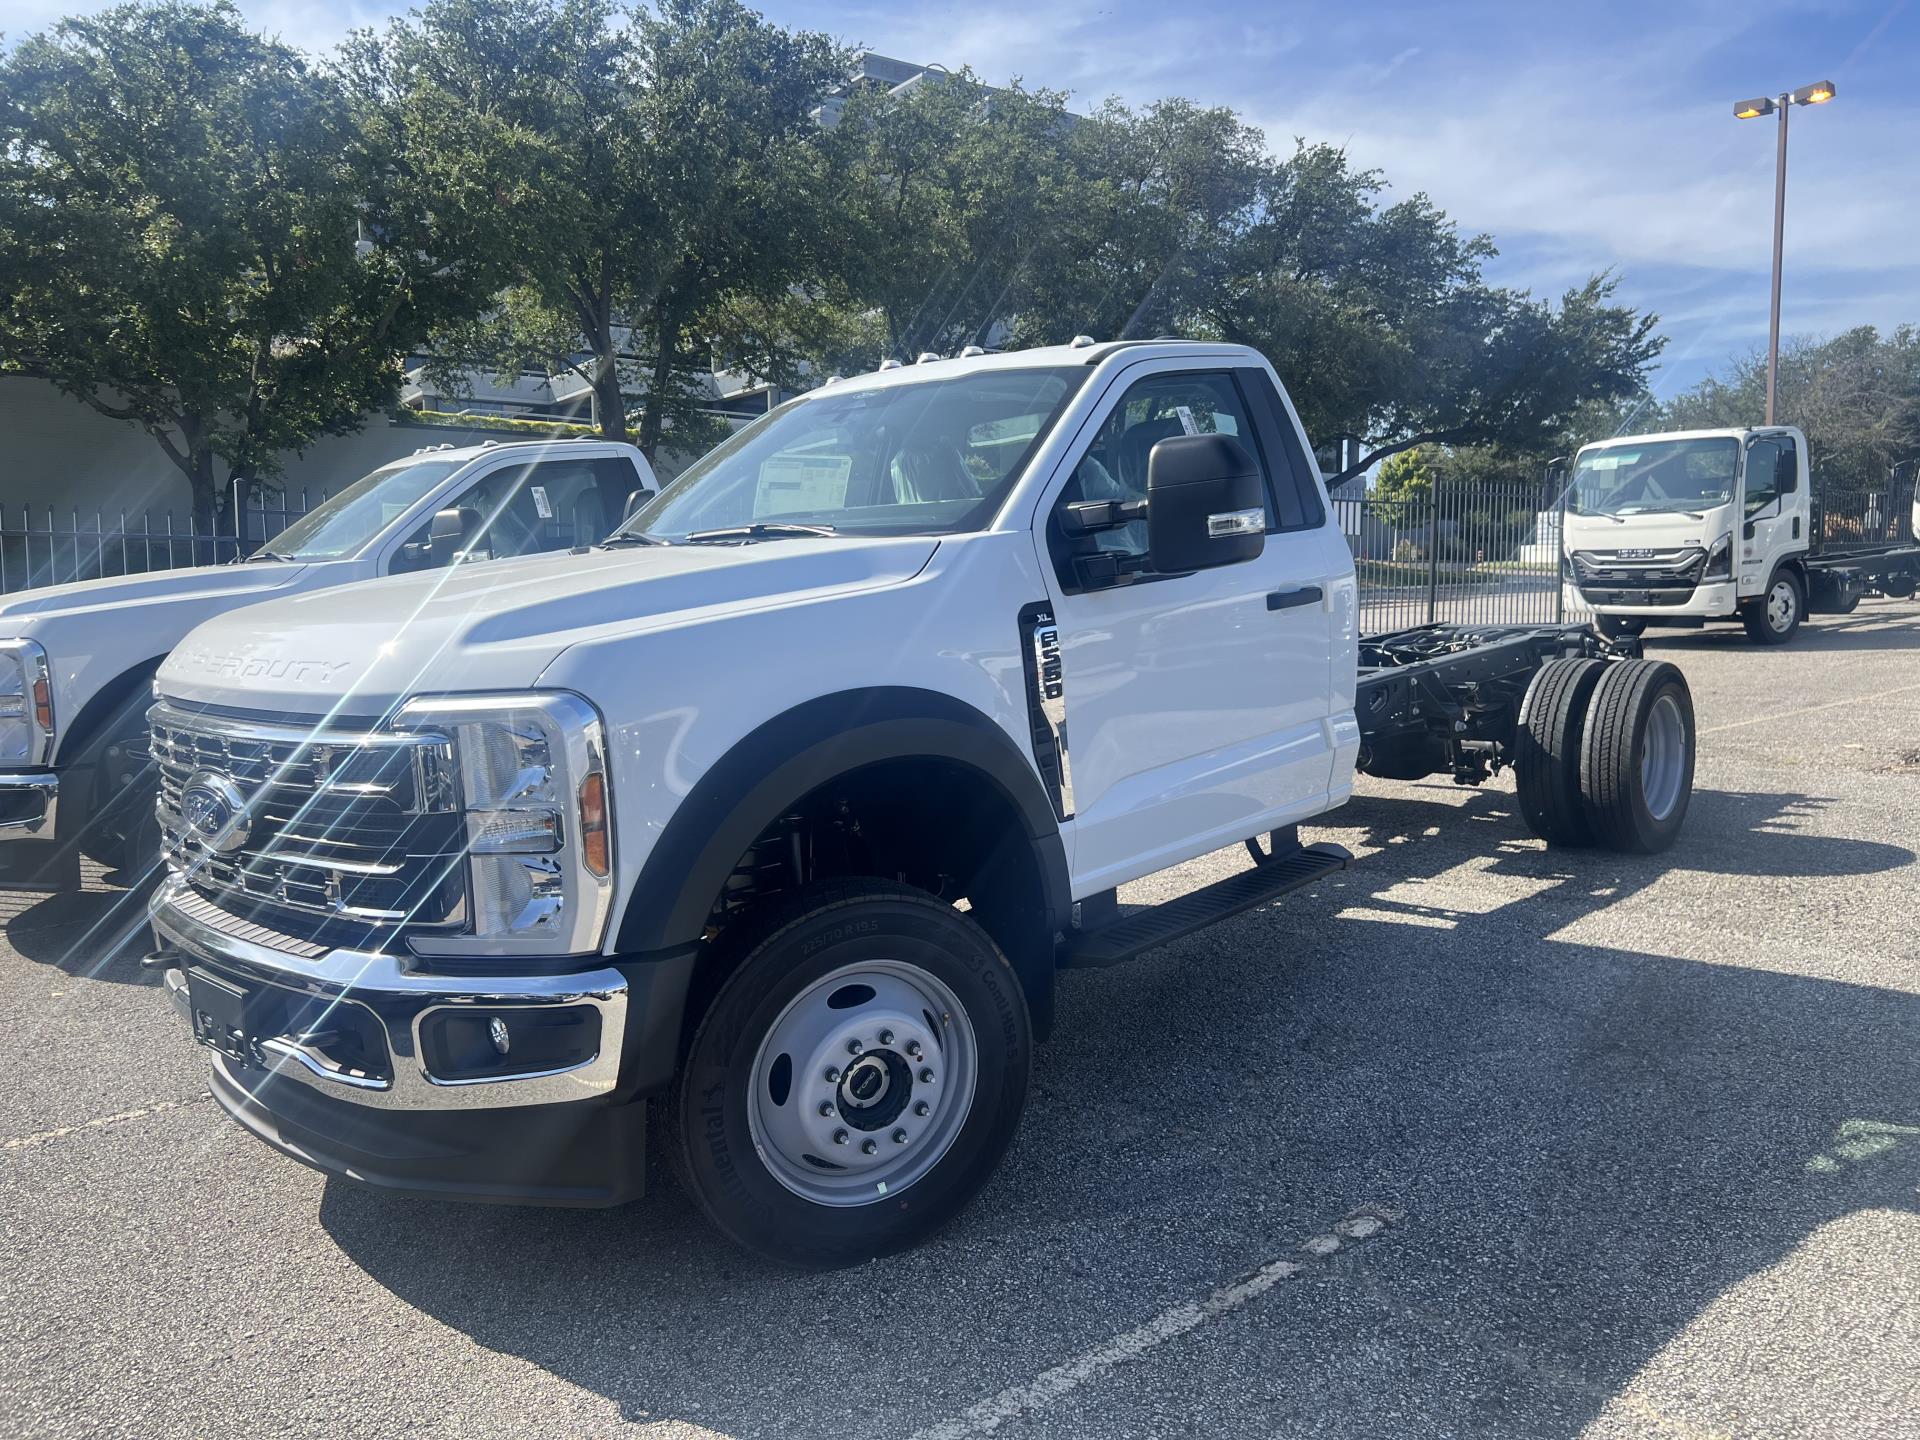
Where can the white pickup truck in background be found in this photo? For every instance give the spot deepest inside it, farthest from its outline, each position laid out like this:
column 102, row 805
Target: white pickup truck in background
column 779, row 810
column 77, row 661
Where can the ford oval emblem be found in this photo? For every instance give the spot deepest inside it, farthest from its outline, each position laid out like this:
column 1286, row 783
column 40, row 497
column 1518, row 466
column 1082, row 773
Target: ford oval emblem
column 215, row 812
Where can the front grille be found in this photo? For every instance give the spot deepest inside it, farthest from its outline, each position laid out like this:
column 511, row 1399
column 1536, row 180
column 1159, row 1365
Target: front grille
column 353, row 827
column 1670, row 570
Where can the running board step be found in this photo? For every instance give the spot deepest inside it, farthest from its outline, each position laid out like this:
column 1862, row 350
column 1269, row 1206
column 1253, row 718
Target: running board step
column 1160, row 924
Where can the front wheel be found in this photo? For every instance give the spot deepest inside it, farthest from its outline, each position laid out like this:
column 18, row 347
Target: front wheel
column 1773, row 617
column 859, row 1074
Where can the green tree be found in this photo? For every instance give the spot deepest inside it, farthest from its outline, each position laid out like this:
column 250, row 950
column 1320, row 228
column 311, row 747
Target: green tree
column 1405, row 478
column 196, row 238
column 642, row 177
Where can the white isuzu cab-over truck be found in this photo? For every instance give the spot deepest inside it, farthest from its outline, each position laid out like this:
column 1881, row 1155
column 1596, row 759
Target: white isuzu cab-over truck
column 779, row 811
column 1693, row 526
column 76, row 661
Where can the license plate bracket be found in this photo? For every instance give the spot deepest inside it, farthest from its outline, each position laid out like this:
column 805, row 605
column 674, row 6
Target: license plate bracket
column 220, row 1014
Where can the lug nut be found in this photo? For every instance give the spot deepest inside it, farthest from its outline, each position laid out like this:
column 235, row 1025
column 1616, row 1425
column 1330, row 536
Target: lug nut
column 913, row 1049
column 869, row 1147
column 839, row 1137
column 926, row 1077
column 826, row 1109
column 922, row 1109
column 833, row 1074
column 886, row 1037
column 899, row 1137
column 853, row 1047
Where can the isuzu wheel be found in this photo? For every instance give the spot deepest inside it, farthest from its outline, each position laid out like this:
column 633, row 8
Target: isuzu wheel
column 1773, row 617
column 1637, row 755
column 1546, row 757
column 857, row 1077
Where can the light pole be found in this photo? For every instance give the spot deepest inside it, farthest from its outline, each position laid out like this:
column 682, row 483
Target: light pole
column 1817, row 93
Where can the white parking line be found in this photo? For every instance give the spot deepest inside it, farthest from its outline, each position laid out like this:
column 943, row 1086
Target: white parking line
column 1051, row 1385
column 1810, row 710
column 158, row 1108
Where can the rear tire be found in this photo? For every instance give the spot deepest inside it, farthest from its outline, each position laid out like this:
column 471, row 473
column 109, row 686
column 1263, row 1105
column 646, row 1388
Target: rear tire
column 1546, row 757
column 1772, row 618
column 922, row 1023
column 1637, row 756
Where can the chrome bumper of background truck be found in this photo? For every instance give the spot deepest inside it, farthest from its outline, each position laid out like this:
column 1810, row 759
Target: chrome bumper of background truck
column 28, row 805
column 383, row 1005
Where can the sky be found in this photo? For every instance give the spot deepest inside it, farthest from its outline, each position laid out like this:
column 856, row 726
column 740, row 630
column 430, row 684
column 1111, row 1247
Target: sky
column 1580, row 136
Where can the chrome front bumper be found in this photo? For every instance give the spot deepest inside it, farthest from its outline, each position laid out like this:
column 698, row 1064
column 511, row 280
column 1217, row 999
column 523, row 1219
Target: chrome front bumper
column 382, row 995
column 28, row 805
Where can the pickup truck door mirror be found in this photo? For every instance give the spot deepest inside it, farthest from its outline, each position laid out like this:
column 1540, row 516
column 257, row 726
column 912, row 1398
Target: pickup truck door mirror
column 634, row 501
column 1206, row 504
column 449, row 533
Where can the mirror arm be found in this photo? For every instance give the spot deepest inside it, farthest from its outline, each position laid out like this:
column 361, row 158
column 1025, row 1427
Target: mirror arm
column 1090, row 517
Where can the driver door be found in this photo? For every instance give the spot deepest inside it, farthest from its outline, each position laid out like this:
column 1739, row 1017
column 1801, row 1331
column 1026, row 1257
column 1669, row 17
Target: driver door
column 1769, row 519
column 1196, row 707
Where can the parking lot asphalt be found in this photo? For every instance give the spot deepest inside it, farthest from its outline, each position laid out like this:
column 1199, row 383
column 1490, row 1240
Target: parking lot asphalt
column 1475, row 1140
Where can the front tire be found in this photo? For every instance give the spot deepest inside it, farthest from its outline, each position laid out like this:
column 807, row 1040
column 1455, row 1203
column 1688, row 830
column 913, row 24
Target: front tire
column 1772, row 618
column 1637, row 756
column 859, row 1074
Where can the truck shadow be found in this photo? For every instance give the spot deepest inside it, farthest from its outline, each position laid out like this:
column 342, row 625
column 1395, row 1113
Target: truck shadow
column 1592, row 1145
column 98, row 933
column 1876, row 625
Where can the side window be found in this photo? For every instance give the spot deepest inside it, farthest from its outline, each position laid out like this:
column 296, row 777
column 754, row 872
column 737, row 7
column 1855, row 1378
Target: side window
column 1763, row 473
column 526, row 510
column 1114, row 466
column 1293, row 494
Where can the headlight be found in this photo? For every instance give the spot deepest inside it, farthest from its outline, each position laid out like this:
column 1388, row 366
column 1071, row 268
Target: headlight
column 1720, row 559
column 529, row 772
column 26, row 704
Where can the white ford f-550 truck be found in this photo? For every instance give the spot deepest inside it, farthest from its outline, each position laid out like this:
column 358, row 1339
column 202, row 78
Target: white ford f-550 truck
column 1687, row 527
column 779, row 811
column 76, row 661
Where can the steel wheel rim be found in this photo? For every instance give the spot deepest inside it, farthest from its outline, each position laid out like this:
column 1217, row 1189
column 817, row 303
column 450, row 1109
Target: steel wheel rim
column 1663, row 758
column 1780, row 605
column 896, row 1042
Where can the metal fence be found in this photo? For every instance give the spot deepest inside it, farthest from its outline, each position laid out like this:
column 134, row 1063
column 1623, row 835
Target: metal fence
column 46, row 546
column 1468, row 554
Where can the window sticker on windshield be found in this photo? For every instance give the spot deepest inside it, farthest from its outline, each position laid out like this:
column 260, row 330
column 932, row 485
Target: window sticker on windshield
column 795, row 484
column 1612, row 460
column 1186, row 419
column 542, row 506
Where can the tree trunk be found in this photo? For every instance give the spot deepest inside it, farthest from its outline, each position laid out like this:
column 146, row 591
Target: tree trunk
column 607, row 399
column 653, row 416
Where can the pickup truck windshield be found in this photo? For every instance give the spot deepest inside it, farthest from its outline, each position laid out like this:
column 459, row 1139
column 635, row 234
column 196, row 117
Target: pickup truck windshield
column 1657, row 477
column 934, row 457
column 347, row 521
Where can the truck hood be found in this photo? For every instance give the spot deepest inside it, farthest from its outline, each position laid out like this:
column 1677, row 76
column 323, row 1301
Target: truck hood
column 34, row 613
column 1647, row 532
column 361, row 648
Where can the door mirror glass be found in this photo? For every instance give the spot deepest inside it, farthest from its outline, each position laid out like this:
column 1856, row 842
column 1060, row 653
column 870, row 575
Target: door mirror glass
column 1206, row 504
column 634, row 501
column 450, row 532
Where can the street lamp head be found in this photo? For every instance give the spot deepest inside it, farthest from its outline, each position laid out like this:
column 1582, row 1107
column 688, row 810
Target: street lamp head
column 1817, row 93
column 1751, row 109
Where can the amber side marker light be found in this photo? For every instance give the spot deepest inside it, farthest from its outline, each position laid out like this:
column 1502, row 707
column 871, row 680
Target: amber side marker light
column 42, row 705
column 593, row 824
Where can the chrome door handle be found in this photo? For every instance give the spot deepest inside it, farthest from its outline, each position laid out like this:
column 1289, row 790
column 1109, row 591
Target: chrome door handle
column 1287, row 599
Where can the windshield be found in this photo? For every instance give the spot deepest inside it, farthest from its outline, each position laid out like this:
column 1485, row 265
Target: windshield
column 1657, row 477
column 347, row 521
column 929, row 458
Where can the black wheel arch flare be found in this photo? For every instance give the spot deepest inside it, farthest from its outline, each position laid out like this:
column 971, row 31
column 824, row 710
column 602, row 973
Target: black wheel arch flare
column 791, row 755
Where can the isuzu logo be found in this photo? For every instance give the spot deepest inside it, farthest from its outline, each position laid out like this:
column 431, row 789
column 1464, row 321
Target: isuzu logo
column 215, row 812
column 1636, row 554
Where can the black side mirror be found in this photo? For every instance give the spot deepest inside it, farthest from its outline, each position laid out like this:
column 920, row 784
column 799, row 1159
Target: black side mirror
column 1206, row 505
column 634, row 501
column 450, row 531
column 1786, row 473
